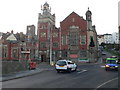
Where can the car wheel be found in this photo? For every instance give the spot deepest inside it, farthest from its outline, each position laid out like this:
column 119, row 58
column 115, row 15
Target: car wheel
column 75, row 69
column 69, row 69
column 58, row 71
column 106, row 69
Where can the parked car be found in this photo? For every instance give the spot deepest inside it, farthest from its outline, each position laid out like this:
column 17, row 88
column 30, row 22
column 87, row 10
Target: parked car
column 103, row 53
column 113, row 57
column 65, row 65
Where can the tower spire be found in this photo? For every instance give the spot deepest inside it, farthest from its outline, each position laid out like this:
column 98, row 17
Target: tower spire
column 45, row 8
column 88, row 15
column 41, row 7
column 89, row 19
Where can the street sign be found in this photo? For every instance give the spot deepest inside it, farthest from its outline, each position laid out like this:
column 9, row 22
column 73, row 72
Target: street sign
column 83, row 60
column 73, row 56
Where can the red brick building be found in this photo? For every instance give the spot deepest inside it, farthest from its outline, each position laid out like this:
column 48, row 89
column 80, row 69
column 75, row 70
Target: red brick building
column 71, row 41
column 18, row 46
column 73, row 36
column 76, row 39
column 10, row 50
column 48, row 35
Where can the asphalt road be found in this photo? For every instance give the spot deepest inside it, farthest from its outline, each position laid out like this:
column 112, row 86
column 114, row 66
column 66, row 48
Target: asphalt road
column 86, row 76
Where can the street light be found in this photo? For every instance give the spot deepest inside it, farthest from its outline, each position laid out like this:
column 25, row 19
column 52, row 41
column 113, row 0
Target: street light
column 50, row 43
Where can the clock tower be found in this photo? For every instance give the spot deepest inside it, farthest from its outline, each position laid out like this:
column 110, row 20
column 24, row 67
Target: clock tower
column 46, row 23
column 89, row 19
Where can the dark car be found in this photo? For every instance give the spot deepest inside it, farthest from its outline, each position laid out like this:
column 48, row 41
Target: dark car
column 103, row 53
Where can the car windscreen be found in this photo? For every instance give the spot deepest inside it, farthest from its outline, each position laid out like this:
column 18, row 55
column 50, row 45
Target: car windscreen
column 111, row 61
column 61, row 63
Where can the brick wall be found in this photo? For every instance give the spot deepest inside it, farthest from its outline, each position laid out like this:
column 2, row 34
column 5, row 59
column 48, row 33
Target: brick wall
column 9, row 67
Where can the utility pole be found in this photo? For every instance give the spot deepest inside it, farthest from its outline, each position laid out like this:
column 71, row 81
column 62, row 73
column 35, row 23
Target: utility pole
column 50, row 47
column 50, row 42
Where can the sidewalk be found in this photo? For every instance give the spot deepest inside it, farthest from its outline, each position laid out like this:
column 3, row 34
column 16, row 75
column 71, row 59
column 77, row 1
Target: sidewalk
column 40, row 68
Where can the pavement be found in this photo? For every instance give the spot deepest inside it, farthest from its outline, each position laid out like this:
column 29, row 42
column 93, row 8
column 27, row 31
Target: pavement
column 40, row 68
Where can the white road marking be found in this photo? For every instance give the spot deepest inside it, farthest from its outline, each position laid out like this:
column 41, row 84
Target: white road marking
column 82, row 71
column 105, row 83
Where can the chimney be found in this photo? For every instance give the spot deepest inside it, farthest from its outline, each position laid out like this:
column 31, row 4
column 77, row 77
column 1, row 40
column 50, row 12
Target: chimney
column 12, row 31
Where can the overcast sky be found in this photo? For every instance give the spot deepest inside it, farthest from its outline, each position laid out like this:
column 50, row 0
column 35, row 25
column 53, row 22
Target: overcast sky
column 17, row 14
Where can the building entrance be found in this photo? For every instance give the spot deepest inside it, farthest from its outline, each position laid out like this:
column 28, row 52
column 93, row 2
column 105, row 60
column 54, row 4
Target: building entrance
column 43, row 58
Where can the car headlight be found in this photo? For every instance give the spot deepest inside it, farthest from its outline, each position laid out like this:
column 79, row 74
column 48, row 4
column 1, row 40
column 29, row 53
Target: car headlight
column 106, row 65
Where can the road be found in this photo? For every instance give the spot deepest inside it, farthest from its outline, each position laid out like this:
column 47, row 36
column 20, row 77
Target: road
column 86, row 76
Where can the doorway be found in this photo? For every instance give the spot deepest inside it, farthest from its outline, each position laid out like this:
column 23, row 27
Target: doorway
column 43, row 58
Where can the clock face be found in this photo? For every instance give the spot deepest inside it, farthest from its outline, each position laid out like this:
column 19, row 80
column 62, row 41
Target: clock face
column 43, row 34
column 89, row 17
column 55, row 34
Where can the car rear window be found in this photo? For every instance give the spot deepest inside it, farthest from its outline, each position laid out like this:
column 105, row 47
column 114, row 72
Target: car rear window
column 70, row 63
column 112, row 61
column 61, row 63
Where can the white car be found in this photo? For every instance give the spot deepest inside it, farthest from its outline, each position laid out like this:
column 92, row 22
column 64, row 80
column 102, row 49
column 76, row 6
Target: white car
column 65, row 65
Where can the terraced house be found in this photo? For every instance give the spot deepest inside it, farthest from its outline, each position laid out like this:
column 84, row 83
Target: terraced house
column 19, row 46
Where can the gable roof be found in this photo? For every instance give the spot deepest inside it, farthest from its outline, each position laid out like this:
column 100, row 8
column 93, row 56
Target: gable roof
column 11, row 38
column 75, row 14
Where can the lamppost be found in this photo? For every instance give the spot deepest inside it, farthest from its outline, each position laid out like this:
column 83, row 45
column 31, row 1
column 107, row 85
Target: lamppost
column 54, row 57
column 50, row 50
column 50, row 43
